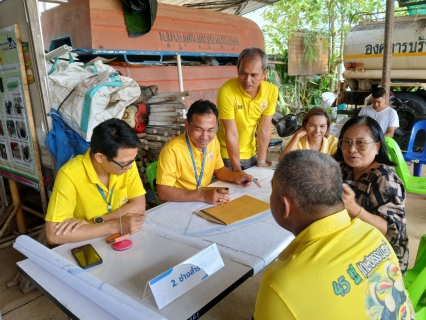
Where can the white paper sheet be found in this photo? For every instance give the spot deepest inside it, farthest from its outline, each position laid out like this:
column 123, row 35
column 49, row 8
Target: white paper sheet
column 109, row 298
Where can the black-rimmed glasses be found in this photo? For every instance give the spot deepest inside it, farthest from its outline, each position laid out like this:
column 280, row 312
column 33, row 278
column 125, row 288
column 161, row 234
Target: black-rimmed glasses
column 122, row 166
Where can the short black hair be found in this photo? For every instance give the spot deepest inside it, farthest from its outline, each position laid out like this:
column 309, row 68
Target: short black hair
column 202, row 107
column 312, row 179
column 376, row 134
column 378, row 93
column 111, row 135
column 252, row 53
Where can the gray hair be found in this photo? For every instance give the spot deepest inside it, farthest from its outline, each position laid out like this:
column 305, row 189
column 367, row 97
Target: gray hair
column 311, row 179
column 252, row 53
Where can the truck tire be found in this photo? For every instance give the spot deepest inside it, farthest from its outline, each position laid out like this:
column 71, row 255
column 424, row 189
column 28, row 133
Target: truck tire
column 407, row 117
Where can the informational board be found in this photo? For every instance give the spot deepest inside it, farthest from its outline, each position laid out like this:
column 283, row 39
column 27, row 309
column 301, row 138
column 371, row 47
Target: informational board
column 17, row 156
column 298, row 65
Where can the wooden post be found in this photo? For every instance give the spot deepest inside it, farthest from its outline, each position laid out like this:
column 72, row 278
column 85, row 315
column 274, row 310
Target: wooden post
column 16, row 202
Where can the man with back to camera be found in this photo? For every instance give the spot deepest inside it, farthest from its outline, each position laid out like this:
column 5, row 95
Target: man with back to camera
column 246, row 104
column 335, row 268
column 89, row 189
column 188, row 162
column 379, row 110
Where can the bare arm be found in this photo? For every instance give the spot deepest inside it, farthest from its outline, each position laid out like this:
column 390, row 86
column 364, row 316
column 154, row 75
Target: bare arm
column 131, row 223
column 134, row 205
column 354, row 209
column 293, row 142
column 240, row 178
column 263, row 139
column 231, row 137
column 390, row 132
column 168, row 193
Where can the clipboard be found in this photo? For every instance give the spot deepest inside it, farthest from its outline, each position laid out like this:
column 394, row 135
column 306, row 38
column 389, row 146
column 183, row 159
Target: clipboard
column 234, row 211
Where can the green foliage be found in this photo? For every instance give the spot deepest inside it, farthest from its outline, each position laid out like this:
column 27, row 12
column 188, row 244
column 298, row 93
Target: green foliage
column 329, row 19
column 310, row 88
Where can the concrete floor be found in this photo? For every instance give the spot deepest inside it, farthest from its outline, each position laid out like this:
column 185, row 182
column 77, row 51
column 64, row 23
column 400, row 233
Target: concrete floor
column 237, row 305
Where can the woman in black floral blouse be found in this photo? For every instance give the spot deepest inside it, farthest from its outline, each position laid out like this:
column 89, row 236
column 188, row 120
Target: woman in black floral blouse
column 376, row 195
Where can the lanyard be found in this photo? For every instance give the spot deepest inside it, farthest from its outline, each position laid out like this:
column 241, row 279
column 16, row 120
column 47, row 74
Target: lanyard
column 197, row 180
column 104, row 196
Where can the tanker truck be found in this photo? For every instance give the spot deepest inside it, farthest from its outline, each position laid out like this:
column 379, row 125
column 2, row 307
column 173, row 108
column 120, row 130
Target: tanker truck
column 363, row 61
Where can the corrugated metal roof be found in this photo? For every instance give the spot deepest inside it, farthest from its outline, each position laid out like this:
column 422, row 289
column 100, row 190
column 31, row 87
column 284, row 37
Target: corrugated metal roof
column 229, row 6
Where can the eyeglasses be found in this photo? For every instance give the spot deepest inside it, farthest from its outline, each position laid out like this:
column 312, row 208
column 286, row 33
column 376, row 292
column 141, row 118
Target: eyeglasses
column 122, row 166
column 360, row 145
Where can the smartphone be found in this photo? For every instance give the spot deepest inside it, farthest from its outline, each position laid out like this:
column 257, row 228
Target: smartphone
column 86, row 256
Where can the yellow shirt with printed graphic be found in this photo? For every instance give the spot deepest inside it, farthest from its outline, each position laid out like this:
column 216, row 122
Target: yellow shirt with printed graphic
column 328, row 146
column 76, row 195
column 234, row 103
column 337, row 268
column 175, row 167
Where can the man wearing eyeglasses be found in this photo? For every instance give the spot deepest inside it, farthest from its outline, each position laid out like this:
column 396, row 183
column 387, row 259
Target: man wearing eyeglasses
column 92, row 190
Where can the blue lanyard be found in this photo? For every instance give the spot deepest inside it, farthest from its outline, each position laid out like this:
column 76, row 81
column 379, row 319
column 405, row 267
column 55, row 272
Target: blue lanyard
column 197, row 180
column 104, row 196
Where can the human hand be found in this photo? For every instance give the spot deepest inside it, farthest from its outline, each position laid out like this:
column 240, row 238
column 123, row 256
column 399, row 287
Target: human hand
column 349, row 201
column 301, row 132
column 69, row 225
column 131, row 222
column 216, row 196
column 265, row 164
column 245, row 180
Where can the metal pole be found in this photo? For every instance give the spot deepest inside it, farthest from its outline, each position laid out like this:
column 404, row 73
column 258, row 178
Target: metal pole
column 179, row 67
column 388, row 46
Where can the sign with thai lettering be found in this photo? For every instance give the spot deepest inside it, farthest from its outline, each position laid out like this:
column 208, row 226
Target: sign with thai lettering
column 17, row 158
column 298, row 64
column 176, row 281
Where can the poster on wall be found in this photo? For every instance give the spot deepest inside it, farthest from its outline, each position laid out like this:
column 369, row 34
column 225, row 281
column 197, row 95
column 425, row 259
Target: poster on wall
column 17, row 159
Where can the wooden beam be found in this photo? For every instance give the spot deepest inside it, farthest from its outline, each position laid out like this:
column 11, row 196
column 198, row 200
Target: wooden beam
column 54, row 1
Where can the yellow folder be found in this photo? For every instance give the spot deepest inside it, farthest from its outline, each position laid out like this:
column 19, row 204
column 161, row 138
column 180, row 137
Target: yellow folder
column 235, row 210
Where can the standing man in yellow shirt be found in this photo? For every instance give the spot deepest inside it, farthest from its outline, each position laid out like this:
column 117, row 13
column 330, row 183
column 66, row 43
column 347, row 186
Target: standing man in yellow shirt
column 336, row 268
column 187, row 163
column 92, row 189
column 246, row 104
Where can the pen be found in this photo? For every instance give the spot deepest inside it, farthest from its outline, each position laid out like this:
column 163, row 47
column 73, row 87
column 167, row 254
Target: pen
column 119, row 216
column 247, row 181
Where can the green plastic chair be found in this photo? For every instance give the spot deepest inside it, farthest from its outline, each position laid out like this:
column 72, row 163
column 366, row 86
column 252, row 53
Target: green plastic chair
column 151, row 174
column 411, row 183
column 415, row 281
column 419, row 265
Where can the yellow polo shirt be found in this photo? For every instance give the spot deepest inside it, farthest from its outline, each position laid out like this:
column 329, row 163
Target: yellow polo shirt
column 329, row 145
column 175, row 167
column 337, row 268
column 76, row 195
column 234, row 103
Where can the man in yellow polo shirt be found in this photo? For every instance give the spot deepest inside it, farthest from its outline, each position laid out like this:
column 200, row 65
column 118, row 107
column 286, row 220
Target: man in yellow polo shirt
column 188, row 162
column 246, row 105
column 337, row 267
column 89, row 189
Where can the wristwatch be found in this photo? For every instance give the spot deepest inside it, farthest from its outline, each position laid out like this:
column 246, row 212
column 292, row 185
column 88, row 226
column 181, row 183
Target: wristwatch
column 261, row 161
column 98, row 220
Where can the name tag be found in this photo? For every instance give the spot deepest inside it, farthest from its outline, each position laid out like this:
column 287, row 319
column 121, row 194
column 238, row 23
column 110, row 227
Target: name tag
column 176, row 281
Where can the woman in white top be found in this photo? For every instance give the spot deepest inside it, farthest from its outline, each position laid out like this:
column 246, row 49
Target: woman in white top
column 314, row 134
